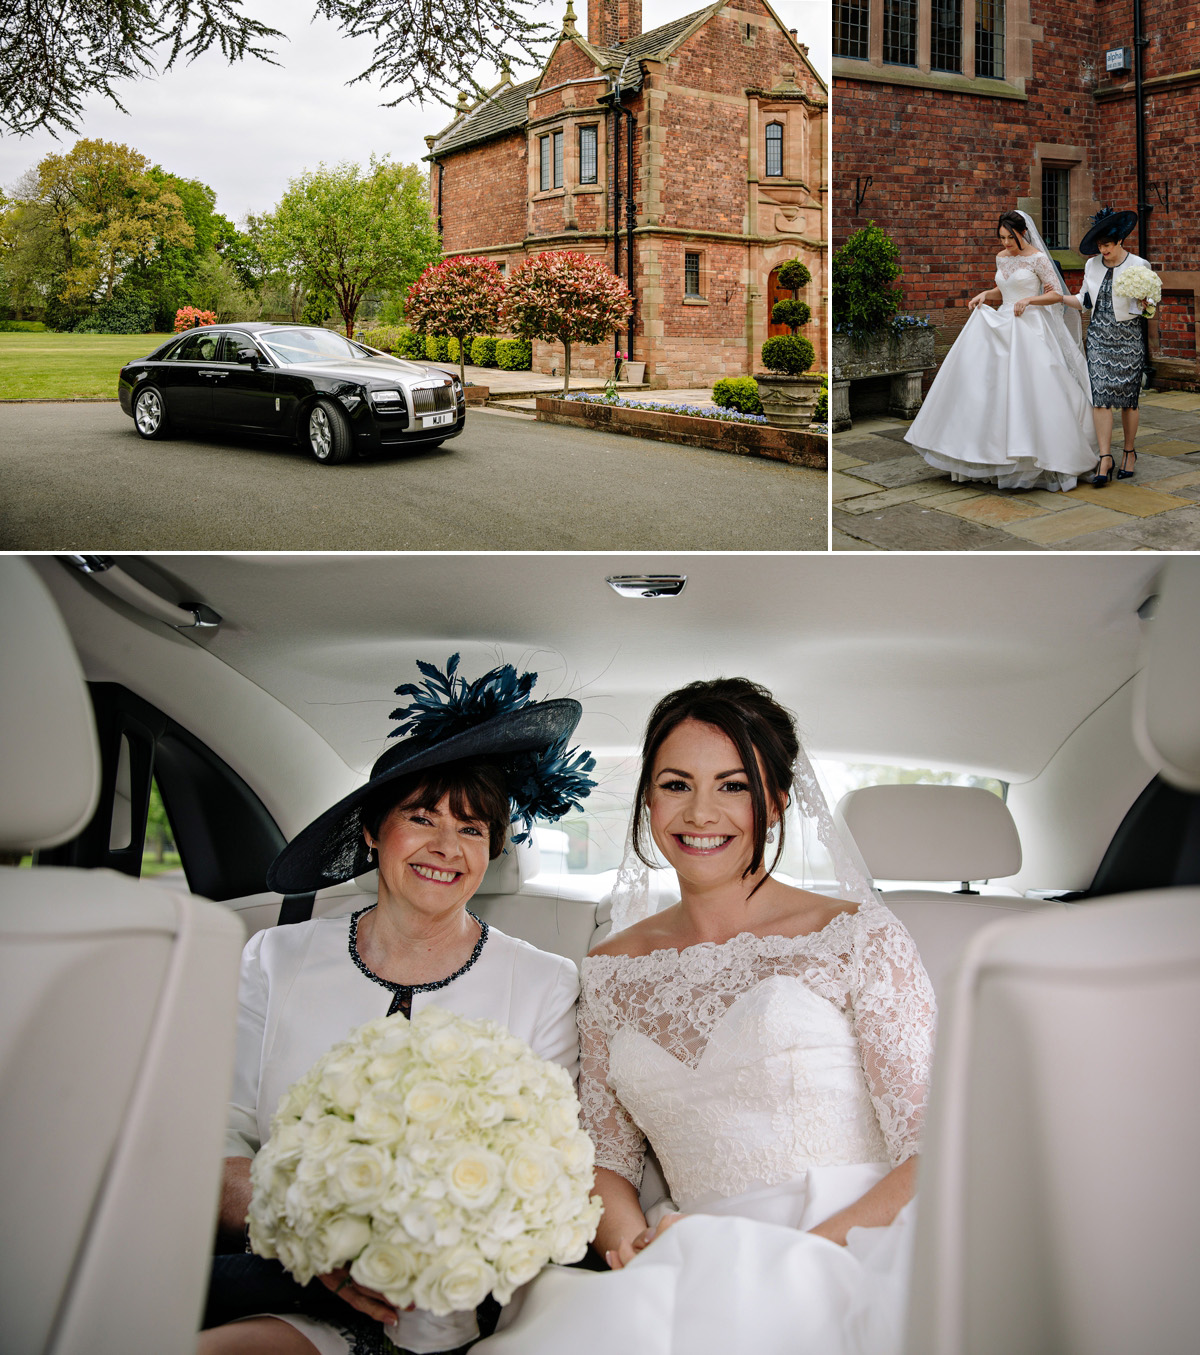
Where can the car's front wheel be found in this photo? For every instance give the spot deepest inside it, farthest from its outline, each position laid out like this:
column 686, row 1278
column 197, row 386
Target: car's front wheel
column 329, row 437
column 150, row 413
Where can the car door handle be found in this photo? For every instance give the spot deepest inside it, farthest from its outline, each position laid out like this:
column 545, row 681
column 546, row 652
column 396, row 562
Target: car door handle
column 216, row 376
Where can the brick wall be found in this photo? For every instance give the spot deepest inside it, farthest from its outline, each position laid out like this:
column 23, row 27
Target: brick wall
column 485, row 207
column 944, row 165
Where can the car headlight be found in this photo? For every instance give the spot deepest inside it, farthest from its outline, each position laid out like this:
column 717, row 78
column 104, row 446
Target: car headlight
column 386, row 399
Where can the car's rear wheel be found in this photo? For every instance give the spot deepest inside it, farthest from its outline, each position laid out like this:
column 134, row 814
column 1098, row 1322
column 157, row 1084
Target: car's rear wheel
column 329, row 437
column 150, row 413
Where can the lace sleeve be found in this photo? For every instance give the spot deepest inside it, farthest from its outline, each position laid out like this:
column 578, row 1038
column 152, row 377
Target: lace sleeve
column 894, row 1016
column 1046, row 272
column 620, row 1144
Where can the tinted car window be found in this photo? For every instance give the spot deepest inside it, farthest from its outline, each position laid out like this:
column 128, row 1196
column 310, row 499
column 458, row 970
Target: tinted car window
column 197, row 347
column 232, row 344
column 305, row 345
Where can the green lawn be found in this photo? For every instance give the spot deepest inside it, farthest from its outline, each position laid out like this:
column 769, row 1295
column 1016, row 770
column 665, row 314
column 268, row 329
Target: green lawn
column 58, row 366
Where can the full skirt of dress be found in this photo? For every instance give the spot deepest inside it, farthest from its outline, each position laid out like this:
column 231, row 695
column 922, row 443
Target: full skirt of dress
column 744, row 1275
column 1010, row 405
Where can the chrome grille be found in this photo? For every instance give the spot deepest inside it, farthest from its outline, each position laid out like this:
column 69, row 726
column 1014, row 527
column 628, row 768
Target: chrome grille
column 432, row 400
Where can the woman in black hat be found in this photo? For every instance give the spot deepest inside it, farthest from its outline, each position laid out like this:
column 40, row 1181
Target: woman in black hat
column 436, row 810
column 1115, row 354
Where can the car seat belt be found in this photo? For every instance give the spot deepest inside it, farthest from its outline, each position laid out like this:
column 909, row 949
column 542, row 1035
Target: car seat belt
column 296, row 908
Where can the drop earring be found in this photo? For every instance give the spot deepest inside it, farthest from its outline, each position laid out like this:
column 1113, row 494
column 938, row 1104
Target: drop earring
column 370, row 855
column 773, row 833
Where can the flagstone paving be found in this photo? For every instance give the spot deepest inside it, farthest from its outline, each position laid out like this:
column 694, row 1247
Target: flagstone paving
column 885, row 497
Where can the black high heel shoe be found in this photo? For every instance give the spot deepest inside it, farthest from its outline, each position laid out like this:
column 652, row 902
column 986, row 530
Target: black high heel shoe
column 1126, row 453
column 1099, row 481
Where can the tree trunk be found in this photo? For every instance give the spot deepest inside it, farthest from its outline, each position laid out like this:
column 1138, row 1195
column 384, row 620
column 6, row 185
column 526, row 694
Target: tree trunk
column 567, row 366
column 462, row 358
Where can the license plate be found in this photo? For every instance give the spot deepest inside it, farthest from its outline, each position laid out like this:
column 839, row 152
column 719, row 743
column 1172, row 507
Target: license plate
column 431, row 420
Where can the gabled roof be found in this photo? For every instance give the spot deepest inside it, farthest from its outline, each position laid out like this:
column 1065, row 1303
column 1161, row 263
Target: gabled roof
column 501, row 112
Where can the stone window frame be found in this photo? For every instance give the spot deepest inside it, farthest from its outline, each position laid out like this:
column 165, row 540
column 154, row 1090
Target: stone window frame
column 1019, row 35
column 543, row 138
column 1080, row 195
column 594, row 128
column 699, row 298
column 768, row 173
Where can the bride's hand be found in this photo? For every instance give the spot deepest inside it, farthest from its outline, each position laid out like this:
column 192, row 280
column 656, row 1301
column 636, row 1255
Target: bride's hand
column 626, row 1251
column 357, row 1296
column 1019, row 306
column 977, row 300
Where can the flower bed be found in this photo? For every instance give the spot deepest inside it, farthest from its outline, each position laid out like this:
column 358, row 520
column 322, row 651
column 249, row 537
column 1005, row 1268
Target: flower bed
column 744, row 436
column 695, row 411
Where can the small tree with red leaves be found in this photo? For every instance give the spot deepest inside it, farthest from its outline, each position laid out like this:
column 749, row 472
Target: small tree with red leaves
column 460, row 297
column 566, row 297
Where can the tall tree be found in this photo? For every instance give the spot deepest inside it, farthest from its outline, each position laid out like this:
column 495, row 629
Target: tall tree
column 460, row 297
column 346, row 232
column 53, row 56
column 566, row 296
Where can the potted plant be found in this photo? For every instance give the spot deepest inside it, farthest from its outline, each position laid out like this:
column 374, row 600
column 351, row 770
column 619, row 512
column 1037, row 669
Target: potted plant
column 870, row 336
column 788, row 393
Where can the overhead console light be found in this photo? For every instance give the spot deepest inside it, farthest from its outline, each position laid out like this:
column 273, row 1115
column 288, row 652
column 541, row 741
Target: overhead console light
column 1148, row 608
column 105, row 571
column 647, row 585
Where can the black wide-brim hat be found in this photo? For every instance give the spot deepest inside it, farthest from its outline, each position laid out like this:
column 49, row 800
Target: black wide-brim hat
column 332, row 849
column 1105, row 222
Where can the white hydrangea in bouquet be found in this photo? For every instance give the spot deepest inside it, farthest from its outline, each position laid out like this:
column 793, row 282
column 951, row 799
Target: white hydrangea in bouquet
column 441, row 1159
column 1139, row 284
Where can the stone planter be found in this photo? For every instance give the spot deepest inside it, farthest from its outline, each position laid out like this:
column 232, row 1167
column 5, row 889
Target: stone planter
column 632, row 373
column 788, row 401
column 904, row 357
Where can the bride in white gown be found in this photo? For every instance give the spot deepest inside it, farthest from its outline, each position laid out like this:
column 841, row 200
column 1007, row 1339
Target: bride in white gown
column 772, row 1044
column 1011, row 403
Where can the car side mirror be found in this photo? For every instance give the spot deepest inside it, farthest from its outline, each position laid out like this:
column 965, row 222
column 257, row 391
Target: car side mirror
column 250, row 355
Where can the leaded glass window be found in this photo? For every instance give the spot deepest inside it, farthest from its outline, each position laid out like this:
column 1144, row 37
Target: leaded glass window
column 1056, row 207
column 851, row 28
column 775, row 149
column 989, row 39
column 945, row 35
column 900, row 32
column 587, row 155
column 544, row 175
column 557, row 138
column 691, row 275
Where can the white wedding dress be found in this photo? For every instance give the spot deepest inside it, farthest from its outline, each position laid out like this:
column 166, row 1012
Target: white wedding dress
column 778, row 1079
column 1012, row 402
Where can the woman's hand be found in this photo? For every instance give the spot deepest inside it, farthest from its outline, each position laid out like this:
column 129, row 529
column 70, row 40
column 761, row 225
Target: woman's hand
column 364, row 1300
column 626, row 1251
column 977, row 300
column 1019, row 306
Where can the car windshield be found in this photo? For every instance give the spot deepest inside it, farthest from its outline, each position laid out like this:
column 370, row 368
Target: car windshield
column 290, row 346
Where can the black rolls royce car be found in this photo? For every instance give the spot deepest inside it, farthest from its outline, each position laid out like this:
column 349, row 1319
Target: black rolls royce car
column 336, row 397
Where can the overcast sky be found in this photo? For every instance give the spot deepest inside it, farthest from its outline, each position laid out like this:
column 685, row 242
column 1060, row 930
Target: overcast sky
column 245, row 130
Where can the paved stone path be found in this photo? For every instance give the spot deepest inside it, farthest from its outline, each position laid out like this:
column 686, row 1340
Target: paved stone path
column 885, row 497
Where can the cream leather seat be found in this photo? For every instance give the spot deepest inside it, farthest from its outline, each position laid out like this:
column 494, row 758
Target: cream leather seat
column 1059, row 1195
column 930, row 833
column 117, row 1004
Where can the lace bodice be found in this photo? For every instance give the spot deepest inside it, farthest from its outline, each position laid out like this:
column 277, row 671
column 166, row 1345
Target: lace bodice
column 747, row 1062
column 1021, row 275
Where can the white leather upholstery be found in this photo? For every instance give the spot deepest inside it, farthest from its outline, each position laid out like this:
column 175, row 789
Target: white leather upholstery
column 1059, row 1194
column 1167, row 719
column 51, row 771
column 931, row 832
column 117, row 1005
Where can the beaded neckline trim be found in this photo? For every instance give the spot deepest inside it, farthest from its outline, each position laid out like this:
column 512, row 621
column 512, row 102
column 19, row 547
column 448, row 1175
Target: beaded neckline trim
column 413, row 987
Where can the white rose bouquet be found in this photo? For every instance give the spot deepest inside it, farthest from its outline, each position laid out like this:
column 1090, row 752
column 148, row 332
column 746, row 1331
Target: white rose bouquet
column 1139, row 284
column 441, row 1158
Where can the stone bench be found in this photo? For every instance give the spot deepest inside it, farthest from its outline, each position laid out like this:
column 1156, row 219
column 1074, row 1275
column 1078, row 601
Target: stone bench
column 904, row 358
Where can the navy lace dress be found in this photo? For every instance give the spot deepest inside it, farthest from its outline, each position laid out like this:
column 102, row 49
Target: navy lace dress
column 1114, row 354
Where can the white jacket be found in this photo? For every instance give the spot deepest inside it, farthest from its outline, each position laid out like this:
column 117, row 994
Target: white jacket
column 1093, row 275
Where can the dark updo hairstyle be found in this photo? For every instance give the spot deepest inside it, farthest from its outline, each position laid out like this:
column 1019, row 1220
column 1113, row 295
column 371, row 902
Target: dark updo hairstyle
column 1109, row 235
column 1014, row 222
column 754, row 722
column 477, row 790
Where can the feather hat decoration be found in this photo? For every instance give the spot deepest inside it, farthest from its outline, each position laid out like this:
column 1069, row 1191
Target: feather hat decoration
column 451, row 720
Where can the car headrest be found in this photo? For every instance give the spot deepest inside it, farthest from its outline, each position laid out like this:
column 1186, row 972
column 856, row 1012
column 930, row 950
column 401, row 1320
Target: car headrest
column 932, row 832
column 1166, row 713
column 51, row 768
column 505, row 875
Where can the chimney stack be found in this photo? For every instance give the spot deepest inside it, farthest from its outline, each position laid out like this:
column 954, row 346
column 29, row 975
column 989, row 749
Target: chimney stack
column 613, row 21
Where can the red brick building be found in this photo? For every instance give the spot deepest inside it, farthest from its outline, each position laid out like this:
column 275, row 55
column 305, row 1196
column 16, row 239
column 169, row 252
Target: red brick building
column 692, row 158
column 948, row 112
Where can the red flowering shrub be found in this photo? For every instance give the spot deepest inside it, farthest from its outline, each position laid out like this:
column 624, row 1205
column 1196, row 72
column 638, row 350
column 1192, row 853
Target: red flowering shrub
column 458, row 297
column 566, row 297
column 186, row 317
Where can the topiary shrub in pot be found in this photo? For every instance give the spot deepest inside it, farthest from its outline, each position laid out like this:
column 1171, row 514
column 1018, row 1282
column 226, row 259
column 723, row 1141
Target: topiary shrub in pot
column 788, row 395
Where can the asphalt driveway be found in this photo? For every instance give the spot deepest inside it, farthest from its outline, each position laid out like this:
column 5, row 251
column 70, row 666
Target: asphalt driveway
column 75, row 476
